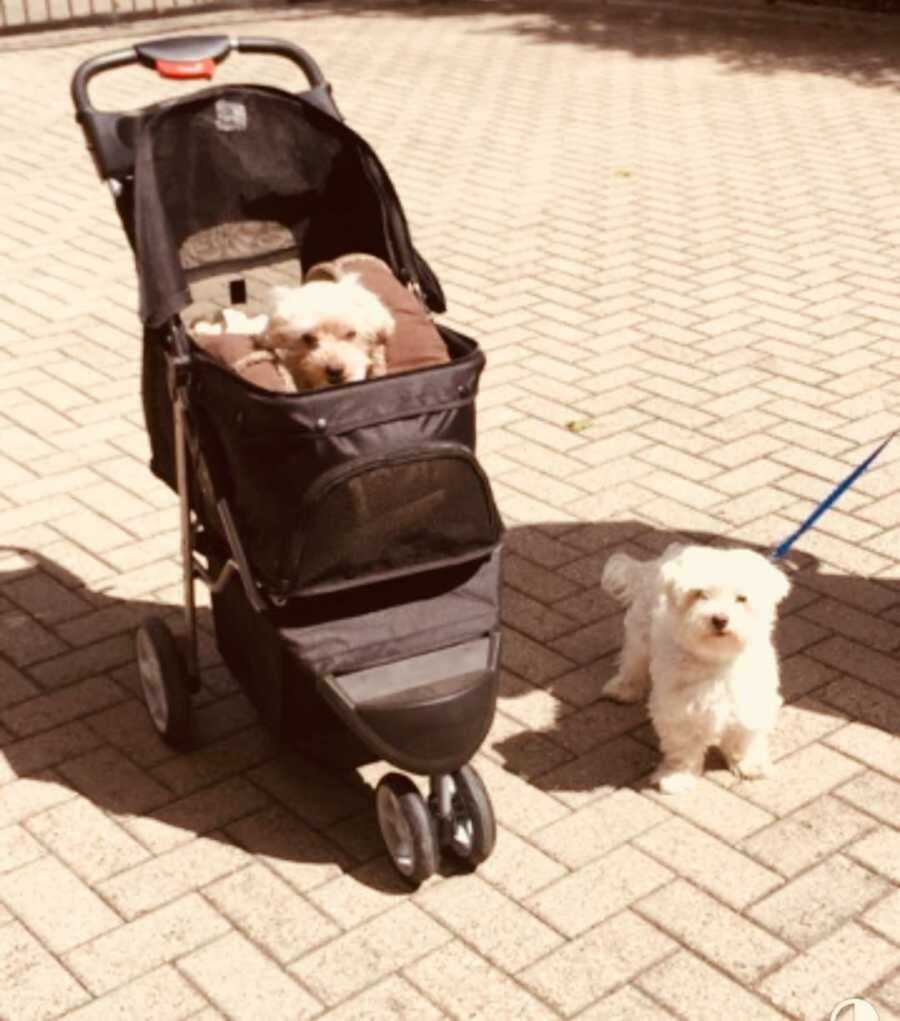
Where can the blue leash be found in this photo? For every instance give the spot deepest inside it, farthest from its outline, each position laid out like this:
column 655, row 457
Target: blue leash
column 829, row 501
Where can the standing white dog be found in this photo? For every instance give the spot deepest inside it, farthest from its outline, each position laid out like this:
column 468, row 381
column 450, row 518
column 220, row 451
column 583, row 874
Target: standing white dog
column 698, row 636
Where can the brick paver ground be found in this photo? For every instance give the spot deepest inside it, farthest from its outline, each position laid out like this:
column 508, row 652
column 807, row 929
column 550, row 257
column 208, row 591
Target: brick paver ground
column 682, row 238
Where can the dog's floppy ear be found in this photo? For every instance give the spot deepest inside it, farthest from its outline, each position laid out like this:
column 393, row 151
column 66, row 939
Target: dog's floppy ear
column 273, row 335
column 675, row 575
column 775, row 583
column 277, row 296
column 377, row 321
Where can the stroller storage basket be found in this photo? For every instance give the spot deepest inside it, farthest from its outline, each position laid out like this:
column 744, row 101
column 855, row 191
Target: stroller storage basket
column 391, row 514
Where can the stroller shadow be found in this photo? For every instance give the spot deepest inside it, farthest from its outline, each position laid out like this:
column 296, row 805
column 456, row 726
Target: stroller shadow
column 837, row 638
column 304, row 805
column 299, row 802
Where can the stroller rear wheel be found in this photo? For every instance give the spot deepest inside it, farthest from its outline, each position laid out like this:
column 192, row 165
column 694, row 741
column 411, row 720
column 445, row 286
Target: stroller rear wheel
column 164, row 682
column 407, row 828
column 473, row 828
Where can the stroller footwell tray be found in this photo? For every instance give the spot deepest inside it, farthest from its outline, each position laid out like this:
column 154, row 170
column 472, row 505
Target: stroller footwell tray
column 428, row 713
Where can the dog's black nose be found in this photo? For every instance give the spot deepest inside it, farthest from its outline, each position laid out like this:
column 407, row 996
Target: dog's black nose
column 719, row 623
column 334, row 374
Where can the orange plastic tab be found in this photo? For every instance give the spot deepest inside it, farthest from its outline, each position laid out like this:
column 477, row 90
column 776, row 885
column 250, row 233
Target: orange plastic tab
column 186, row 68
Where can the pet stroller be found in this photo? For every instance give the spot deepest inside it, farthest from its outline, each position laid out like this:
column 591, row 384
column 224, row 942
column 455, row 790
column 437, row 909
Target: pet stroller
column 348, row 535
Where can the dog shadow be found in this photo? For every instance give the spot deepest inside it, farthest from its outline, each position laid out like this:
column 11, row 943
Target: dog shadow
column 837, row 637
column 301, row 800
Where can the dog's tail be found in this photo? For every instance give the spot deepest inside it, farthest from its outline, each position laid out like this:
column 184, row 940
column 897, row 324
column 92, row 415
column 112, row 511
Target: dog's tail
column 621, row 577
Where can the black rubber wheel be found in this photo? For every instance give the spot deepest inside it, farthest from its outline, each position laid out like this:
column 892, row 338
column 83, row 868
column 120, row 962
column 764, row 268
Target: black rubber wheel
column 406, row 828
column 164, row 682
column 474, row 828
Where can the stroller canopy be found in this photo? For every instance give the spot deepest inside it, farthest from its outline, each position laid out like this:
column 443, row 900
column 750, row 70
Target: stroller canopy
column 238, row 176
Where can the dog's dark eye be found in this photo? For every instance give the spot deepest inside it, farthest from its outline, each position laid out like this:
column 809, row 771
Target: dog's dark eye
column 309, row 339
column 698, row 593
column 350, row 335
column 742, row 599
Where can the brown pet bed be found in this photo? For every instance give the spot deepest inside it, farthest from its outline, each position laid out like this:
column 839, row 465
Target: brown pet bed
column 415, row 344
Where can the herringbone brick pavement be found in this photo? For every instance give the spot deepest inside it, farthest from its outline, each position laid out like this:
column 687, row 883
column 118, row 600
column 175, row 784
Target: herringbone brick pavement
column 677, row 242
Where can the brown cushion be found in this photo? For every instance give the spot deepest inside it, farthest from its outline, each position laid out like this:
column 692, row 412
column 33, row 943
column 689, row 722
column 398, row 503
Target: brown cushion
column 416, row 343
column 230, row 348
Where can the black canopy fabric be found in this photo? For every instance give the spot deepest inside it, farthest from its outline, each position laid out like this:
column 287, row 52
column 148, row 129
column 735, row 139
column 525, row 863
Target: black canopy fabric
column 236, row 176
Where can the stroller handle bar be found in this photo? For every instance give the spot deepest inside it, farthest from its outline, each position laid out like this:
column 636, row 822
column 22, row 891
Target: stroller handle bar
column 110, row 135
column 188, row 57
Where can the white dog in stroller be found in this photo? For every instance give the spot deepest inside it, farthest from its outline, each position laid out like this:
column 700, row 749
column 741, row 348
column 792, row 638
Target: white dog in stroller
column 698, row 636
column 325, row 332
column 329, row 332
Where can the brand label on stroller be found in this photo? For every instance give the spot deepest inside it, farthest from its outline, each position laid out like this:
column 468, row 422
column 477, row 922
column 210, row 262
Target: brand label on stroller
column 231, row 116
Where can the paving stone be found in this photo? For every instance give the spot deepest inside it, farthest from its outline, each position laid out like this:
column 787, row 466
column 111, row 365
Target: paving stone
column 721, row 935
column 810, row 985
column 34, row 754
column 209, row 809
column 586, row 969
column 172, row 874
column 708, row 862
column 508, row 935
column 48, row 711
column 373, row 950
column 589, row 833
column 578, row 902
column 17, row 848
column 711, row 807
column 869, row 745
column 517, row 868
column 880, row 851
column 141, row 946
column 301, row 856
column 267, row 910
column 810, row 834
column 394, row 999
column 628, row 1004
column 466, row 986
column 87, row 839
column 33, row 985
column 27, row 796
column 236, row 976
column 814, row 904
column 517, row 805
column 884, row 917
column 799, row 778
column 162, row 993
column 112, row 782
column 696, row 990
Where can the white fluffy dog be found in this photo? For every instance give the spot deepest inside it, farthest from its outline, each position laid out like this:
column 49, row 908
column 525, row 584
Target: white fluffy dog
column 329, row 332
column 698, row 636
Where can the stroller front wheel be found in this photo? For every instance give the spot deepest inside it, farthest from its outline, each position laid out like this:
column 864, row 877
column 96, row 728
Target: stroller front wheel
column 473, row 828
column 406, row 827
column 164, row 682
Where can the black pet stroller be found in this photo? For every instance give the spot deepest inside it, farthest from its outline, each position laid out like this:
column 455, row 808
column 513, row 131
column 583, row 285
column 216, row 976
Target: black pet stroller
column 348, row 535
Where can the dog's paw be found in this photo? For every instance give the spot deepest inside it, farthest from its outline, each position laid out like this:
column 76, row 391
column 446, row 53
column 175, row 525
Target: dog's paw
column 757, row 769
column 676, row 782
column 622, row 689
